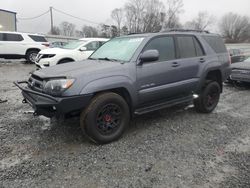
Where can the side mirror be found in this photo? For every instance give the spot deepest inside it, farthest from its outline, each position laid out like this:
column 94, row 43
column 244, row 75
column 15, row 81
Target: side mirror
column 149, row 56
column 83, row 48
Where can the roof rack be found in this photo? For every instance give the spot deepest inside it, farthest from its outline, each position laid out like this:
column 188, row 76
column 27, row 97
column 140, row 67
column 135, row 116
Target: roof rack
column 185, row 30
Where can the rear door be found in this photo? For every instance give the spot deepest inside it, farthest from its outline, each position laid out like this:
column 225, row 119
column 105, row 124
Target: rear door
column 190, row 56
column 11, row 44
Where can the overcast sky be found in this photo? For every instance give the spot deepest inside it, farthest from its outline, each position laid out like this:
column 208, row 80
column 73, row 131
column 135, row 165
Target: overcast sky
column 99, row 10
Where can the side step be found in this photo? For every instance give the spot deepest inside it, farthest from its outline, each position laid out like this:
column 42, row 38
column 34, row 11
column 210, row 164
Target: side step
column 167, row 104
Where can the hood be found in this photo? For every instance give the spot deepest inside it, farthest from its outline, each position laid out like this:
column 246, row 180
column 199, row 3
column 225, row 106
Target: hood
column 55, row 51
column 242, row 65
column 80, row 68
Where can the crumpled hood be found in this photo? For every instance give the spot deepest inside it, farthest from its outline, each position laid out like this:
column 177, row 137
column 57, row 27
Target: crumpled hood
column 242, row 65
column 80, row 68
column 55, row 51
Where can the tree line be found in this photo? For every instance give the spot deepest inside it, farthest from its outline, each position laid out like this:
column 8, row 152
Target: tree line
column 140, row 16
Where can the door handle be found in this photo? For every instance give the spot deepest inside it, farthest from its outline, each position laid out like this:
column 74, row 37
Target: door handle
column 202, row 60
column 175, row 64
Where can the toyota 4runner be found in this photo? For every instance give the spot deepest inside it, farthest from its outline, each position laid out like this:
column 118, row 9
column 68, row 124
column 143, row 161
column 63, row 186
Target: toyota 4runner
column 130, row 75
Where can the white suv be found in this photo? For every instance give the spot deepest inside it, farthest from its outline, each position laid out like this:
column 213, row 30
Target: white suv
column 73, row 51
column 16, row 45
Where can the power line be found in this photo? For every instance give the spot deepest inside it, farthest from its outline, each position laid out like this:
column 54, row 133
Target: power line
column 85, row 20
column 35, row 17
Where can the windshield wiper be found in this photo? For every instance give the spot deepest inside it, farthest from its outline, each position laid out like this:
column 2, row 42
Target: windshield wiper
column 107, row 59
column 92, row 58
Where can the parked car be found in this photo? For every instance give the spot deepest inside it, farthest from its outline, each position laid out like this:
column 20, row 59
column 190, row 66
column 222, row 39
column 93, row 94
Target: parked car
column 57, row 44
column 237, row 55
column 16, row 45
column 132, row 75
column 241, row 71
column 73, row 51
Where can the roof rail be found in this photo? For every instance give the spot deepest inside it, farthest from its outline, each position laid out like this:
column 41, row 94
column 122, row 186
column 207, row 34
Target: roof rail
column 185, row 30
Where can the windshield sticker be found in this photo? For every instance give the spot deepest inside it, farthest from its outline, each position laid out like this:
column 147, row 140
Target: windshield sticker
column 135, row 40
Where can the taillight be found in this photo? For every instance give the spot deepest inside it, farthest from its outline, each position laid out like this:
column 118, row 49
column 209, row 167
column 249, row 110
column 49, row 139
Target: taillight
column 46, row 44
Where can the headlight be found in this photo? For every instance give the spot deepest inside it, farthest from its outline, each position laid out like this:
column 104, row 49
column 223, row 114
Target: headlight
column 57, row 87
column 48, row 55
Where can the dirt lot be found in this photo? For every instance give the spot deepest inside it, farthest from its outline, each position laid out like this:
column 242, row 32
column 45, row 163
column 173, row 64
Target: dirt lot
column 170, row 148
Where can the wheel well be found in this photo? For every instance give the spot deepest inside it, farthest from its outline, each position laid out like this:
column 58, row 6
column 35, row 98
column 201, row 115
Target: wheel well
column 215, row 75
column 123, row 92
column 67, row 58
column 32, row 49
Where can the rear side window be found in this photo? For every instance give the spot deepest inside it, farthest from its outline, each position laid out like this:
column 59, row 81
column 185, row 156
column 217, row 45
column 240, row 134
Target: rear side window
column 10, row 37
column 165, row 46
column 186, row 46
column 37, row 38
column 216, row 43
column 1, row 36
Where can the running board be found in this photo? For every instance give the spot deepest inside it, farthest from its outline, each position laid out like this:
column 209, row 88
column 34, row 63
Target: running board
column 160, row 106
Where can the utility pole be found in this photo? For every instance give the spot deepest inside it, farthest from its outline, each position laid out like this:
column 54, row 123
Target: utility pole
column 51, row 19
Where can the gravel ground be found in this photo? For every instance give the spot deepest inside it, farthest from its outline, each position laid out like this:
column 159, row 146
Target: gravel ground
column 176, row 147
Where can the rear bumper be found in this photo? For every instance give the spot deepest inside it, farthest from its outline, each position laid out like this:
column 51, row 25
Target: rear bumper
column 50, row 106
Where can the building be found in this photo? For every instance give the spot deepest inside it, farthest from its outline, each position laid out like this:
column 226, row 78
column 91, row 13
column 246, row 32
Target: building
column 7, row 20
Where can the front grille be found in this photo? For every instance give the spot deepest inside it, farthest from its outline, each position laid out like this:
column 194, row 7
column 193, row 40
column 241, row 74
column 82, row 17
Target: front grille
column 36, row 83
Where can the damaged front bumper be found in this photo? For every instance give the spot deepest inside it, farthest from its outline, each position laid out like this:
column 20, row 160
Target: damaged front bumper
column 50, row 106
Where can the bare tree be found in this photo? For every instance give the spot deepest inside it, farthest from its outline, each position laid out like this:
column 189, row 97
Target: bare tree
column 67, row 29
column 134, row 11
column 235, row 28
column 154, row 16
column 117, row 16
column 89, row 31
column 174, row 8
column 55, row 31
column 105, row 31
column 201, row 22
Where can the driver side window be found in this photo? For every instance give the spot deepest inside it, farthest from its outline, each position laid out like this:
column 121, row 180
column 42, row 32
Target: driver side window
column 165, row 47
column 92, row 46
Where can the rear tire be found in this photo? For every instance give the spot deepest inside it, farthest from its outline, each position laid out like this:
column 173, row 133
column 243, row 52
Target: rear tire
column 31, row 56
column 106, row 118
column 208, row 98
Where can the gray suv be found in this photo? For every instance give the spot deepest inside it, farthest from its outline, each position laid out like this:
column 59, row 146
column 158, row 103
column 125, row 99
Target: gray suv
column 132, row 75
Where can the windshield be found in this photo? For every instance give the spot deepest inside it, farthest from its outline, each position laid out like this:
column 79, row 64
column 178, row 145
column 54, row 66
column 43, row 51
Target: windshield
column 120, row 49
column 247, row 59
column 74, row 45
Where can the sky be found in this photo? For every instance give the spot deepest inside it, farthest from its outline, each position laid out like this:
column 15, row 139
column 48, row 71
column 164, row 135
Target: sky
column 99, row 11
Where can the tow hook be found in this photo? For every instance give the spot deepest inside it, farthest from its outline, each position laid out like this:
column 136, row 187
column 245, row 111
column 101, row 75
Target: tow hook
column 24, row 101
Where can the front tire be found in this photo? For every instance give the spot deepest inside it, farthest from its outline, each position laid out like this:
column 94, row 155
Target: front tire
column 106, row 118
column 31, row 56
column 208, row 98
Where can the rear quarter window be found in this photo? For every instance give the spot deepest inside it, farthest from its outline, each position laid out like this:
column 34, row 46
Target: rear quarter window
column 11, row 37
column 216, row 43
column 37, row 38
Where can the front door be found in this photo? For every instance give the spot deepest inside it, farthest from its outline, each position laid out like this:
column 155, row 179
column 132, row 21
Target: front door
column 153, row 78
